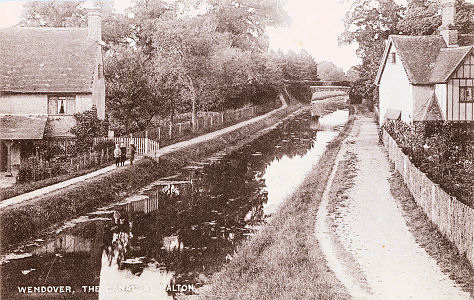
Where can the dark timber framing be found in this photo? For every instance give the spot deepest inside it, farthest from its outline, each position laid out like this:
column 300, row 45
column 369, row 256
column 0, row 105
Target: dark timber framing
column 457, row 110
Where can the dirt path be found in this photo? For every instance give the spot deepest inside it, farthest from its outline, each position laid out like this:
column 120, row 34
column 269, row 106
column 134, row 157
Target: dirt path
column 371, row 229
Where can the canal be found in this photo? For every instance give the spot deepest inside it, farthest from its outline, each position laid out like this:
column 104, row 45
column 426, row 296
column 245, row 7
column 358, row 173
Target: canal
column 176, row 232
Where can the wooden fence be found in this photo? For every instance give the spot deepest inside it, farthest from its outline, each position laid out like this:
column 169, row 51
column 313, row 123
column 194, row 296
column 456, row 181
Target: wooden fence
column 204, row 124
column 453, row 218
column 143, row 145
column 33, row 169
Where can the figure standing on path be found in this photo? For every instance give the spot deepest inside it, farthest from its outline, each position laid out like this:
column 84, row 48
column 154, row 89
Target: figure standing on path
column 123, row 156
column 133, row 149
column 117, row 155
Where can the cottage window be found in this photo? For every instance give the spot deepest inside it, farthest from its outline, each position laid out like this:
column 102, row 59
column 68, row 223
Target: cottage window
column 61, row 105
column 466, row 94
column 393, row 57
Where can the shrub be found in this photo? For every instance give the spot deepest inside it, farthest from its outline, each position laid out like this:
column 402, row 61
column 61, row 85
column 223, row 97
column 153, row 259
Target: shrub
column 87, row 127
column 445, row 151
column 301, row 91
column 361, row 89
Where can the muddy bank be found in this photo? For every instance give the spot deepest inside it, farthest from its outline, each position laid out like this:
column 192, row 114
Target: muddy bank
column 22, row 222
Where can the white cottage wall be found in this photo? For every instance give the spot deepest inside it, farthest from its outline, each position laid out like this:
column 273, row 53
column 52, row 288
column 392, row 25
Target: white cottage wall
column 395, row 91
column 441, row 91
column 15, row 104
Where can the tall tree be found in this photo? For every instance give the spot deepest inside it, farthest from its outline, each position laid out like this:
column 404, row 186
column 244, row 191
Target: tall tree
column 420, row 18
column 369, row 23
column 328, row 71
column 247, row 20
column 132, row 97
column 183, row 48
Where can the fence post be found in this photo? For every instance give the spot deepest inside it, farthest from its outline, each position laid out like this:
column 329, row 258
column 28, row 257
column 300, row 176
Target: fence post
column 171, row 131
column 222, row 118
column 180, row 129
column 146, row 141
column 159, row 133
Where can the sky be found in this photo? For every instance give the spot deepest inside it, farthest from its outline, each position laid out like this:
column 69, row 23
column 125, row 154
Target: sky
column 315, row 26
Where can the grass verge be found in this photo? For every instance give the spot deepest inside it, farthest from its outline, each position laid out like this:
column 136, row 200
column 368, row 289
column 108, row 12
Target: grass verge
column 283, row 260
column 344, row 180
column 428, row 236
column 20, row 222
column 23, row 188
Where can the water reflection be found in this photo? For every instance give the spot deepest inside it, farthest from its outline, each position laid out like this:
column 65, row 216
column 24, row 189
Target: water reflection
column 181, row 229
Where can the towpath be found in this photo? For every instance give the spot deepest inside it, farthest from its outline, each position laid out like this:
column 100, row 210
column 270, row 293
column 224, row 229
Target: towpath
column 168, row 149
column 370, row 229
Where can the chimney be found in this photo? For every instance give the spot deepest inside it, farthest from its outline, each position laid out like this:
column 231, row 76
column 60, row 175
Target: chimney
column 447, row 30
column 94, row 24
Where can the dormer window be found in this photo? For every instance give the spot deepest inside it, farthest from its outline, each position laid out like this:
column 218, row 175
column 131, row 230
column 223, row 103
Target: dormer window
column 61, row 105
column 393, row 58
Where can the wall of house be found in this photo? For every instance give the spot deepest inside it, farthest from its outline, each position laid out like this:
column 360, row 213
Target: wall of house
column 464, row 75
column 395, row 91
column 11, row 104
column 36, row 104
column 83, row 102
column 441, row 91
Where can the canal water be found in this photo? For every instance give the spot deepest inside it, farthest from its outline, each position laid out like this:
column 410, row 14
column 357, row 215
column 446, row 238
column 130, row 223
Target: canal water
column 177, row 231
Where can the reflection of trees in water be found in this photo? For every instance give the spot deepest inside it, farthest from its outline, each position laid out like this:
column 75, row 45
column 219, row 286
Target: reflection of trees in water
column 198, row 224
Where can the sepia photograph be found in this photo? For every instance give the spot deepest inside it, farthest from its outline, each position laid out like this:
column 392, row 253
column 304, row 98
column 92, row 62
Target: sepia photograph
column 237, row 149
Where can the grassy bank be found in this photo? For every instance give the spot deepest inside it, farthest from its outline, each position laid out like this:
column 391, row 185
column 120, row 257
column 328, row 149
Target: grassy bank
column 21, row 222
column 283, row 260
column 344, row 180
column 23, row 188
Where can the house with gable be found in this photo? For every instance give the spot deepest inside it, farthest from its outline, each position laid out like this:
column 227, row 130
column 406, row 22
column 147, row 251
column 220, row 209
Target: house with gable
column 46, row 76
column 428, row 78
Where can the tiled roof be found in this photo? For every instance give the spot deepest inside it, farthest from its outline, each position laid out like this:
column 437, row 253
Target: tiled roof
column 22, row 127
column 426, row 59
column 418, row 55
column 447, row 61
column 39, row 59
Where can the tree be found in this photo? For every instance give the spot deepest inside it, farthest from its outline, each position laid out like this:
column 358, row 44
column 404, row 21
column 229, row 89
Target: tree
column 247, row 20
column 369, row 23
column 116, row 28
column 54, row 14
column 421, row 18
column 183, row 49
column 297, row 66
column 132, row 97
column 353, row 73
column 328, row 71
